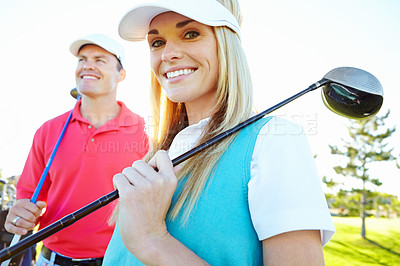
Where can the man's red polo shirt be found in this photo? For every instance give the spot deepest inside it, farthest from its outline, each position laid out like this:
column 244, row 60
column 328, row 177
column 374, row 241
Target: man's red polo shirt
column 82, row 171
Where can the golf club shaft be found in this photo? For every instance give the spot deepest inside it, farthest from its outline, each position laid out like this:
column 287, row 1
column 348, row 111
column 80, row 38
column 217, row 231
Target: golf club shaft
column 39, row 186
column 103, row 201
column 51, row 158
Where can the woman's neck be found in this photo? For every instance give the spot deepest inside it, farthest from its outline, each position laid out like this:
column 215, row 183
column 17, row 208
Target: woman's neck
column 196, row 113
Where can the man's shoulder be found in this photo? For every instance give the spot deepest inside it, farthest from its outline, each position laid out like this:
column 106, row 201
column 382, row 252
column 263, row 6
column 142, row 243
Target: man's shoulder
column 126, row 112
column 55, row 122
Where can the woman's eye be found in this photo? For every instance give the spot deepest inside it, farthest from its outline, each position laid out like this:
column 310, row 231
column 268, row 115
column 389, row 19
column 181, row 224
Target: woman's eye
column 157, row 43
column 191, row 34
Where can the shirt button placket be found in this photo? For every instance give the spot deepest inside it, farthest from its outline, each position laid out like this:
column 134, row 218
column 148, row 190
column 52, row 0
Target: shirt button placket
column 91, row 144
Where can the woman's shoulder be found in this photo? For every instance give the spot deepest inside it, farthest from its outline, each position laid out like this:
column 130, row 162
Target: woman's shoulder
column 281, row 126
column 281, row 136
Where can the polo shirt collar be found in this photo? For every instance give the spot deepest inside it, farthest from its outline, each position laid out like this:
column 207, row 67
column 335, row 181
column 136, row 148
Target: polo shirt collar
column 125, row 117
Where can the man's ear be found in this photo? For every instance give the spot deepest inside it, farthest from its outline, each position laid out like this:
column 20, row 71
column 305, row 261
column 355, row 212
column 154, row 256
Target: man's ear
column 122, row 75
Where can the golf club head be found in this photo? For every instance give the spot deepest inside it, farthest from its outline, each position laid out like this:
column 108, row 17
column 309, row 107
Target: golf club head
column 352, row 93
column 74, row 93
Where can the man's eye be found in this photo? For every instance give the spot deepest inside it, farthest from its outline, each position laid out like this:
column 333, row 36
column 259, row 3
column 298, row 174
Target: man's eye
column 191, row 34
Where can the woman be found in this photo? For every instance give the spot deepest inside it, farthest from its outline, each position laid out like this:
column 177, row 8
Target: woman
column 253, row 199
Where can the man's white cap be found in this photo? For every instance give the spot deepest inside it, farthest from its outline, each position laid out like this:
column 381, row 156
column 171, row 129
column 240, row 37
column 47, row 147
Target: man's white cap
column 134, row 26
column 102, row 41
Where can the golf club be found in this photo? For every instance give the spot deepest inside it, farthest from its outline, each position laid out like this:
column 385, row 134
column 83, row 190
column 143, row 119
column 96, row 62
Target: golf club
column 347, row 91
column 352, row 93
column 74, row 93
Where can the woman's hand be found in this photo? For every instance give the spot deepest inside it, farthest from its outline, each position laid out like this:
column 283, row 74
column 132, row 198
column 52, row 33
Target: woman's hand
column 145, row 197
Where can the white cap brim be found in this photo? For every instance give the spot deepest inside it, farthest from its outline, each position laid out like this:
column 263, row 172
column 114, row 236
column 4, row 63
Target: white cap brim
column 102, row 41
column 134, row 26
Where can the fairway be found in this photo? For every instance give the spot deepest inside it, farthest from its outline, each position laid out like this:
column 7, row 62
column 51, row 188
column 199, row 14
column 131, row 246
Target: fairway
column 382, row 246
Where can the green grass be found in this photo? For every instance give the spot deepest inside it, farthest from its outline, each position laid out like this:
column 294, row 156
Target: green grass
column 347, row 247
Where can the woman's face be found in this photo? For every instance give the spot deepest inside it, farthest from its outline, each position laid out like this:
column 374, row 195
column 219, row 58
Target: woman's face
column 184, row 58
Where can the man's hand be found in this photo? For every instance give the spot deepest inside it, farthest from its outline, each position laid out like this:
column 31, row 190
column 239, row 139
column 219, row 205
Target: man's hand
column 28, row 214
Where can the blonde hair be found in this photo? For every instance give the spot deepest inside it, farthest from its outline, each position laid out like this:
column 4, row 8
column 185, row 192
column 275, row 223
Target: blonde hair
column 234, row 104
column 234, row 97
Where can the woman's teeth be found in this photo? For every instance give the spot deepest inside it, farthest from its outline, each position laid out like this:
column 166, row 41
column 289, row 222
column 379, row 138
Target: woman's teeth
column 179, row 73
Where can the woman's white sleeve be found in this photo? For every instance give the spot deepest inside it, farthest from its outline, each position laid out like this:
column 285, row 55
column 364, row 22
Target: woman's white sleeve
column 285, row 191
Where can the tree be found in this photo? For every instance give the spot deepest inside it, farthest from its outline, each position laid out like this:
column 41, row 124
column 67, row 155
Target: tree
column 345, row 203
column 379, row 204
column 367, row 144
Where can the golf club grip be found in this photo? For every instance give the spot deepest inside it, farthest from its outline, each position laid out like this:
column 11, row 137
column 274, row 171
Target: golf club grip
column 103, row 201
column 57, row 226
column 14, row 241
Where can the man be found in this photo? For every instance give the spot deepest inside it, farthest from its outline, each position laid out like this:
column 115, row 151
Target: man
column 103, row 138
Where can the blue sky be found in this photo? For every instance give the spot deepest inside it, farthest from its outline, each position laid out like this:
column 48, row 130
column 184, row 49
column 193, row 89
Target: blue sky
column 289, row 45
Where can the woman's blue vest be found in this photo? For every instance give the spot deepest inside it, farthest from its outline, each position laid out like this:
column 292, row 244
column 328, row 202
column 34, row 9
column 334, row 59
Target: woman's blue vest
column 219, row 229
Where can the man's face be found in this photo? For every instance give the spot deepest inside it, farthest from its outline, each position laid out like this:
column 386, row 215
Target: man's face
column 97, row 73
